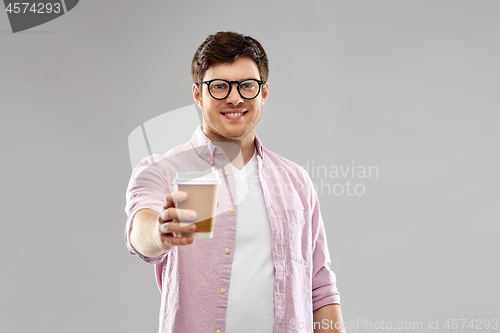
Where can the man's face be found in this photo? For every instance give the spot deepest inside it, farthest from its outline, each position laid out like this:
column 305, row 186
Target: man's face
column 217, row 124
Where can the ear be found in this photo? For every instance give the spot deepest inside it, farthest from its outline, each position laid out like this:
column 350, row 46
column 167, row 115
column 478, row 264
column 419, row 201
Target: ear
column 197, row 95
column 265, row 92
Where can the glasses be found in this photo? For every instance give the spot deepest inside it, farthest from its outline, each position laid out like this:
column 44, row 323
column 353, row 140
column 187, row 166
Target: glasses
column 220, row 89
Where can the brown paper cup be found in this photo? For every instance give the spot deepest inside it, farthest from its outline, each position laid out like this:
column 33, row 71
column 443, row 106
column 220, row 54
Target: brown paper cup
column 202, row 198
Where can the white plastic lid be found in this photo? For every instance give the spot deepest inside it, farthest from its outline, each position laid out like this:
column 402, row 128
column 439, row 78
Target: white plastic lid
column 207, row 177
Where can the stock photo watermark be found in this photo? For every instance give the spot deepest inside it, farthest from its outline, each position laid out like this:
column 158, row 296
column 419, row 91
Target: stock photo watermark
column 430, row 324
column 25, row 15
column 340, row 180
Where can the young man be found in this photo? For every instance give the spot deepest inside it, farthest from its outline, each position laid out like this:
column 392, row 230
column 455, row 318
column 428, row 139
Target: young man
column 267, row 267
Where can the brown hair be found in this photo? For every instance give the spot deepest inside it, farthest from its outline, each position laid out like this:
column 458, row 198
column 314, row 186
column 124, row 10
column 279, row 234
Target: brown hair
column 225, row 47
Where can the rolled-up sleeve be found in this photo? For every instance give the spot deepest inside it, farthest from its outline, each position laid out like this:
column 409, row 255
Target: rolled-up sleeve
column 147, row 188
column 324, row 284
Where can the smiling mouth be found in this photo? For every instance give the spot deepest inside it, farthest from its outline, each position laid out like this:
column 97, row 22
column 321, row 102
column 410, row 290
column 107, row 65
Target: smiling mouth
column 233, row 114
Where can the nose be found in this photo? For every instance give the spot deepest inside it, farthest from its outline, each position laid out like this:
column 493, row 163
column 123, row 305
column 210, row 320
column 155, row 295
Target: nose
column 234, row 97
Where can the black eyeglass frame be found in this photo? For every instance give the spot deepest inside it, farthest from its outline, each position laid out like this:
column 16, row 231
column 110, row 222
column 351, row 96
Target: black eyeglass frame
column 231, row 87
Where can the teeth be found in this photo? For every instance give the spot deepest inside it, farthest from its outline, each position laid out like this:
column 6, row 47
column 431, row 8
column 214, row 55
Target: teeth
column 234, row 114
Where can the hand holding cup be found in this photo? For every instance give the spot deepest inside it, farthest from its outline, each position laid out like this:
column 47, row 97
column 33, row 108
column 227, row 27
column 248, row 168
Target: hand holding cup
column 168, row 231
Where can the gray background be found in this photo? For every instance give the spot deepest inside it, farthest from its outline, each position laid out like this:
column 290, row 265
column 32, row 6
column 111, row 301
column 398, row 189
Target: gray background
column 408, row 86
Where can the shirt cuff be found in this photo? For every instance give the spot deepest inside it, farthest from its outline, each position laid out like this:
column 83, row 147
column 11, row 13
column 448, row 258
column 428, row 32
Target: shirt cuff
column 326, row 291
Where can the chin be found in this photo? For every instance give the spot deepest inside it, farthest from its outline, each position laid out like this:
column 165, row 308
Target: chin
column 232, row 135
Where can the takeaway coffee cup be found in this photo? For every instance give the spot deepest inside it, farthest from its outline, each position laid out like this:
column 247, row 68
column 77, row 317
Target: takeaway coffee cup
column 202, row 188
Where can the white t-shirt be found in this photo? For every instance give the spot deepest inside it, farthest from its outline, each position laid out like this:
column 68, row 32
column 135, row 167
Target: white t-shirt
column 250, row 306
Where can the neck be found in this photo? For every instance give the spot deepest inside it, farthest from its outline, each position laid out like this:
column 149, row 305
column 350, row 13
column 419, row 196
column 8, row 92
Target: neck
column 239, row 151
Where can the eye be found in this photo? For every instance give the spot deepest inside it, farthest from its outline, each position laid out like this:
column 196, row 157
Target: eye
column 248, row 85
column 218, row 85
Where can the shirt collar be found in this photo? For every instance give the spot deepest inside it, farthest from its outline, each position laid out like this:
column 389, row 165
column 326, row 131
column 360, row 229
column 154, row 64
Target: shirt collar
column 258, row 145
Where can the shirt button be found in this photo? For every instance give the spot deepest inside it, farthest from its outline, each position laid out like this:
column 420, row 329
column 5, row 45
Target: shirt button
column 209, row 159
column 227, row 173
column 218, row 151
column 222, row 290
column 218, row 331
column 231, row 210
column 228, row 250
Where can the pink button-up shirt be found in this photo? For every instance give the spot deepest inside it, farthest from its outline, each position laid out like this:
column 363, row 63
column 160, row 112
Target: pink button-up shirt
column 194, row 279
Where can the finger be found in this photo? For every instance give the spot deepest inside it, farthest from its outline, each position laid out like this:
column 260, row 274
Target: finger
column 170, row 241
column 181, row 241
column 174, row 197
column 172, row 214
column 177, row 228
